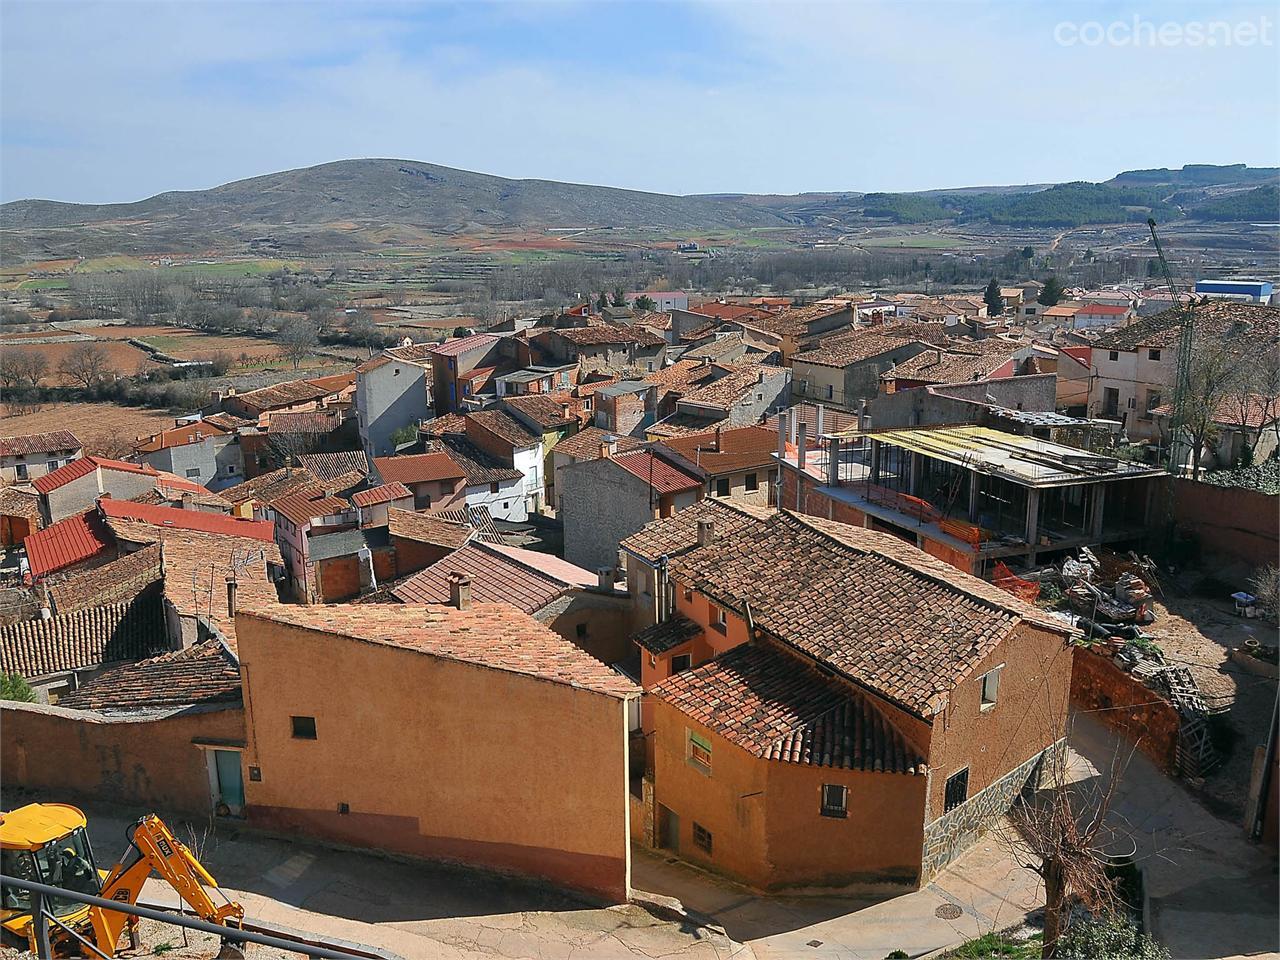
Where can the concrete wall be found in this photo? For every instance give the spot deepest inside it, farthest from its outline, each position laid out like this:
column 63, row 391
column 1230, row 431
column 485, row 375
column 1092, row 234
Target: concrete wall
column 1237, row 523
column 954, row 403
column 80, row 494
column 149, row 763
column 1126, row 705
column 389, row 397
column 36, row 464
column 339, row 578
column 597, row 622
column 508, row 502
column 497, row 769
column 216, row 461
column 738, row 492
column 601, row 505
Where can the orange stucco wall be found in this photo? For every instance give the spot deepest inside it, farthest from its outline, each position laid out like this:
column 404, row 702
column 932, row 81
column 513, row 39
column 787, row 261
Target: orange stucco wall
column 1030, row 713
column 145, row 763
column 436, row 758
column 1127, row 705
column 764, row 815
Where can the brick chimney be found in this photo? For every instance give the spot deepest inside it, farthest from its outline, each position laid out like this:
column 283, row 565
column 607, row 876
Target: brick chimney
column 231, row 596
column 717, row 439
column 459, row 591
column 706, row 532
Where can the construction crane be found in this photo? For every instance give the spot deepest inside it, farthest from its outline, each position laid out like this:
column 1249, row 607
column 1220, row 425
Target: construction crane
column 1186, row 342
column 47, row 845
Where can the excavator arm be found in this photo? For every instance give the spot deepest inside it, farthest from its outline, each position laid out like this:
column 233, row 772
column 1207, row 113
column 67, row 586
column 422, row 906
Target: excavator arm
column 153, row 847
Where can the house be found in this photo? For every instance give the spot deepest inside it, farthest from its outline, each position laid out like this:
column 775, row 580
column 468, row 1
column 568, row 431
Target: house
column 392, row 393
column 792, row 330
column 343, row 564
column 331, row 466
column 451, row 363
column 1239, row 422
column 535, row 380
column 513, row 445
column 550, row 418
column 664, row 301
column 36, row 454
column 292, row 396
column 841, row 371
column 830, row 706
column 1099, row 316
column 203, row 451
column 75, row 486
column 581, row 606
column 738, row 463
column 19, row 515
column 1242, row 291
column 609, row 348
column 299, row 517
column 1134, row 368
column 420, row 539
column 1011, row 297
column 249, row 498
column 1074, row 376
column 605, row 500
column 374, row 504
column 590, row 443
column 317, row 753
column 626, row 408
column 740, row 398
column 489, row 484
column 969, row 494
column 972, row 360
column 436, row 479
column 681, row 378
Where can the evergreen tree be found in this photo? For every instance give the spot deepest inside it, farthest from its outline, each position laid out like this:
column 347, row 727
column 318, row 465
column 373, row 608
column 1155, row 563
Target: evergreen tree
column 1051, row 295
column 993, row 300
column 602, row 301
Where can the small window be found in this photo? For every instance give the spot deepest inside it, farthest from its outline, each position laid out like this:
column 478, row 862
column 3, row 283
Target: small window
column 581, row 631
column 722, row 486
column 957, row 791
column 990, row 687
column 752, row 483
column 831, row 391
column 1113, row 355
column 304, row 728
column 719, row 619
column 51, row 466
column 395, row 371
column 1153, row 354
column 681, row 662
column 493, row 488
column 702, row 837
column 835, row 800
column 193, row 474
column 21, row 470
column 699, row 753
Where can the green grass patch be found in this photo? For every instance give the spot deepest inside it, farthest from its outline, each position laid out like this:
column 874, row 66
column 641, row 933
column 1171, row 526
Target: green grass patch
column 991, row 945
column 44, row 284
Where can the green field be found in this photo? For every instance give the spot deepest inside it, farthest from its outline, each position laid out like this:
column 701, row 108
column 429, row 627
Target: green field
column 235, row 268
column 915, row 241
column 52, row 283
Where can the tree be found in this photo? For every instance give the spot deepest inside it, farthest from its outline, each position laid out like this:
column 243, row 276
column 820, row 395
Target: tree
column 461, row 331
column 406, row 434
column 87, row 364
column 299, row 339
column 602, row 301
column 619, row 297
column 10, row 370
column 362, row 328
column 13, row 686
column 1051, row 294
column 1028, row 253
column 645, row 304
column 33, row 368
column 993, row 300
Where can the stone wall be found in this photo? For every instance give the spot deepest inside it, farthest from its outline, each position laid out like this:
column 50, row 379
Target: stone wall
column 1126, row 705
column 953, row 832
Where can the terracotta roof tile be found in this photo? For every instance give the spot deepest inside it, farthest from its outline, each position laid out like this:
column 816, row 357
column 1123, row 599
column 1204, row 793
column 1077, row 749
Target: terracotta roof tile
column 844, row 351
column 269, row 486
column 383, row 494
column 174, row 518
column 667, row 634
column 427, row 528
column 728, row 391
column 608, row 334
column 452, row 348
column 445, row 423
column 112, row 582
column 303, row 506
column 19, row 503
column 82, row 468
column 1248, row 323
column 478, row 467
column 30, row 443
column 585, row 444
column 418, row 468
column 306, row 421
column 203, row 674
column 671, row 535
column 328, row 466
column 495, row 578
column 539, row 410
column 727, row 451
column 663, row 476
column 492, row 635
column 122, row 631
column 504, row 426
column 181, row 436
column 778, row 707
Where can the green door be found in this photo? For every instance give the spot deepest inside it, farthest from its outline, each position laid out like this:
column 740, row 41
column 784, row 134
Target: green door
column 230, row 781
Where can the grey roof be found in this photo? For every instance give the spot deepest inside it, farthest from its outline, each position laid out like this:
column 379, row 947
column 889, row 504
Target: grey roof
column 624, row 387
column 346, row 542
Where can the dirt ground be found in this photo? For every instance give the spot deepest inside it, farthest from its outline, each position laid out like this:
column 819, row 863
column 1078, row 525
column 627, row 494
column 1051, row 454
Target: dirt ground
column 124, row 358
column 105, row 429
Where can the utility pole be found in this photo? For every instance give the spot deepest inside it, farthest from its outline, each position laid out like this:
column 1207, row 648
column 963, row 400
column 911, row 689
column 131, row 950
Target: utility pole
column 1186, row 342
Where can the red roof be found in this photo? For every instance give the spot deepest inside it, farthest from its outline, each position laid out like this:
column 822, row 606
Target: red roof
column 1105, row 308
column 83, row 467
column 66, row 542
column 38, row 443
column 418, row 468
column 383, row 494
column 664, row 477
column 187, row 519
column 451, row 348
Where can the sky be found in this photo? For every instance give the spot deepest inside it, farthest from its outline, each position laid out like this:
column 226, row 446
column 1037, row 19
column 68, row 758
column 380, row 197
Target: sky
column 117, row 101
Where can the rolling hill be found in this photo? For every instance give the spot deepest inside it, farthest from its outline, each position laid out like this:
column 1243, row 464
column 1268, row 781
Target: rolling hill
column 361, row 204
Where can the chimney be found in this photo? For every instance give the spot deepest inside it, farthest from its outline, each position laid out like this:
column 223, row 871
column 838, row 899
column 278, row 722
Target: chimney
column 760, row 377
column 717, row 439
column 459, row 591
column 782, row 434
column 706, row 532
column 802, row 444
column 605, row 578
column 231, row 596
column 862, row 415
column 188, row 500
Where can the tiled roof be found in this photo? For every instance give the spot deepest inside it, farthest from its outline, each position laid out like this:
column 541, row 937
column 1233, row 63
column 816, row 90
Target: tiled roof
column 727, row 451
column 585, row 444
column 1103, row 309
column 681, row 376
column 282, row 395
column 181, row 436
column 427, row 528
column 383, row 494
column 775, row 706
column 843, row 351
column 112, row 582
column 684, row 423
column 418, row 468
column 723, row 311
column 68, row 541
column 1249, row 324
column 269, row 486
column 540, row 410
column 477, row 466
column 608, row 334
column 452, row 348
column 664, row 477
column 492, row 635
column 548, row 564
column 667, row 634
column 83, row 467
column 495, row 578
column 120, row 631
column 833, row 420
column 418, row 353
column 945, row 366
column 715, row 349
column 505, row 427
column 679, row 532
column 883, row 613
column 335, row 383
column 478, row 518
column 306, row 421
column 19, row 503
column 203, row 674
column 794, row 322
column 303, row 506
column 1250, row 410
column 591, row 387
column 445, row 423
column 38, row 443
column 727, row 391
column 328, row 466
column 174, row 518
column 228, row 421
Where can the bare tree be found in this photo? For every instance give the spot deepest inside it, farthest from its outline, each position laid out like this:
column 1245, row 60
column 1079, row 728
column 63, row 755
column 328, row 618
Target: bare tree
column 1254, row 403
column 33, row 367
column 299, row 339
column 87, row 364
column 11, row 375
column 285, row 448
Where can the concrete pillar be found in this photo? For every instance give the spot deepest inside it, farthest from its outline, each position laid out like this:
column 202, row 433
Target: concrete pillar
column 917, row 466
column 1095, row 520
column 833, row 462
column 782, row 434
column 802, row 442
column 975, row 483
column 795, row 426
column 875, row 461
column 818, row 430
column 1033, row 523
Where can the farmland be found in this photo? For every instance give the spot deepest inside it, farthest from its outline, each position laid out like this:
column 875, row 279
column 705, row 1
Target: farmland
column 105, row 429
column 124, row 359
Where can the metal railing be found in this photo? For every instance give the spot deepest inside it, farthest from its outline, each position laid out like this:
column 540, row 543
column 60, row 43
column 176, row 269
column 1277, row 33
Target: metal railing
column 41, row 918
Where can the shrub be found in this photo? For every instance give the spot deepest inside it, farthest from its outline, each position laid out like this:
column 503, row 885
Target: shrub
column 1113, row 939
column 14, row 687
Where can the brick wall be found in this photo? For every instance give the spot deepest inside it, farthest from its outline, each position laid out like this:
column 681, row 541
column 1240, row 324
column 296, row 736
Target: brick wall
column 1126, row 705
column 1242, row 524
